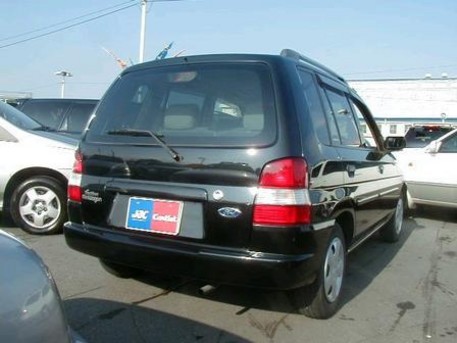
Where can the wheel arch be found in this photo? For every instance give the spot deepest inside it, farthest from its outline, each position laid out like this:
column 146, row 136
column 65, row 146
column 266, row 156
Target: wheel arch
column 346, row 221
column 25, row 174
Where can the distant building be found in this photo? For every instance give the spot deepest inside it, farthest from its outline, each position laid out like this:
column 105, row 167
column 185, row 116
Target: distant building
column 397, row 104
column 11, row 97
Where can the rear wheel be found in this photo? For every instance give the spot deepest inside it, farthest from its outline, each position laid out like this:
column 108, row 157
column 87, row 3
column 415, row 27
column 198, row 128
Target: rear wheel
column 38, row 205
column 119, row 270
column 392, row 230
column 321, row 299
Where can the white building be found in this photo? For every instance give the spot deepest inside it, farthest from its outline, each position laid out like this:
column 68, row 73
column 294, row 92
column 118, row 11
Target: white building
column 397, row 104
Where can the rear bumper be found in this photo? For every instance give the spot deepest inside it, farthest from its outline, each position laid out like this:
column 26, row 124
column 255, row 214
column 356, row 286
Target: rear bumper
column 209, row 263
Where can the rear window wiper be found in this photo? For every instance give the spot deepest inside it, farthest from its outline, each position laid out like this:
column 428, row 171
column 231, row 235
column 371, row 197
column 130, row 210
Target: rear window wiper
column 147, row 133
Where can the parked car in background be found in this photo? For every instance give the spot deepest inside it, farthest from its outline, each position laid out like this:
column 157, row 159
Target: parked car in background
column 238, row 169
column 35, row 166
column 418, row 136
column 68, row 116
column 430, row 174
column 31, row 309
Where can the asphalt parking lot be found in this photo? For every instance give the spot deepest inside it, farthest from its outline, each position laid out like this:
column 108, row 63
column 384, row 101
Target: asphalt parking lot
column 403, row 292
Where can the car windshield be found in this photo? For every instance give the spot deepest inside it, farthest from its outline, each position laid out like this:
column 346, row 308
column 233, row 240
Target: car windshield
column 17, row 118
column 419, row 137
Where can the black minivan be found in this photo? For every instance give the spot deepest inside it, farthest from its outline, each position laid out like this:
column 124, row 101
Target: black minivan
column 238, row 169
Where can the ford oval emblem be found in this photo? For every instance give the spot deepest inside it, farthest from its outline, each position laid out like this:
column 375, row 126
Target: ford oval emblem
column 229, row 212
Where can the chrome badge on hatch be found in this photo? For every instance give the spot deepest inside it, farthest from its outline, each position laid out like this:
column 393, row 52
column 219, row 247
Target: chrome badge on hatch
column 229, row 212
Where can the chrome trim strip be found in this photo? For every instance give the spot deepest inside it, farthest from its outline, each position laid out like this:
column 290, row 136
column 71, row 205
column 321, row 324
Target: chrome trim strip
column 361, row 201
column 390, row 191
column 324, row 225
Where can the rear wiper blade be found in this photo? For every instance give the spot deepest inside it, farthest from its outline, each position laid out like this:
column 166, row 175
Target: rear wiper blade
column 147, row 133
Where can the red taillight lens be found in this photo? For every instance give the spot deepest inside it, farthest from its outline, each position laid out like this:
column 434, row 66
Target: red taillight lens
column 74, row 190
column 287, row 173
column 74, row 193
column 78, row 164
column 282, row 198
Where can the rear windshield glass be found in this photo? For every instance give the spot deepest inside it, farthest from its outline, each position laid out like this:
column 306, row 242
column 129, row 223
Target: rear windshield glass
column 418, row 137
column 208, row 104
column 49, row 114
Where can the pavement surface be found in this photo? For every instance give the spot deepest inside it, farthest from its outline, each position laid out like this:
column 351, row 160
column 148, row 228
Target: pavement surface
column 402, row 292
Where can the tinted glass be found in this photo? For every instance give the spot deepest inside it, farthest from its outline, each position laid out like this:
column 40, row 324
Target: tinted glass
column 347, row 125
column 77, row 117
column 313, row 102
column 17, row 118
column 49, row 114
column 210, row 104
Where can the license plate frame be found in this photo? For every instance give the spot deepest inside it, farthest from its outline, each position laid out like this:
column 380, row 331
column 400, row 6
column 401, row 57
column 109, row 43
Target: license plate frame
column 153, row 215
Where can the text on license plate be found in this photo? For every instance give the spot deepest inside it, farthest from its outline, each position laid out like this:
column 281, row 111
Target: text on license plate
column 154, row 215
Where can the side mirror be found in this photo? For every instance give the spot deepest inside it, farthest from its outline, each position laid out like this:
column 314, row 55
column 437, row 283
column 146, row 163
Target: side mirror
column 394, row 143
column 433, row 147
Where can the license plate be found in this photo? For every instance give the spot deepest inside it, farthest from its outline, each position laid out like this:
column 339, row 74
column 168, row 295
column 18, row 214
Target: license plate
column 154, row 215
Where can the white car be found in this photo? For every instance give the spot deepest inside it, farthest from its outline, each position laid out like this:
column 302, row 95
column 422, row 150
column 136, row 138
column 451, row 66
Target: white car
column 429, row 172
column 35, row 166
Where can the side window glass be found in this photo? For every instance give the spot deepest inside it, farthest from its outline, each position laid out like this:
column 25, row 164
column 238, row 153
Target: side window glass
column 449, row 145
column 314, row 105
column 366, row 131
column 345, row 120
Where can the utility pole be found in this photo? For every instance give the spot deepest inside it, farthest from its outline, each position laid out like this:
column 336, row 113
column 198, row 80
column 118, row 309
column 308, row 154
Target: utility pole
column 142, row 30
column 143, row 4
column 64, row 74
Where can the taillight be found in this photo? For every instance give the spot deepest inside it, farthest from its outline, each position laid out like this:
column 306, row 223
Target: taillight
column 74, row 183
column 282, row 198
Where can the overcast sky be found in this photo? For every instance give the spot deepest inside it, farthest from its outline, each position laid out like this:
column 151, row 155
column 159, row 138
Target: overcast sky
column 360, row 39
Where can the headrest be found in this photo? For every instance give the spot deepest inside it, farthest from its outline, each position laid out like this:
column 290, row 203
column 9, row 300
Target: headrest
column 180, row 117
column 253, row 122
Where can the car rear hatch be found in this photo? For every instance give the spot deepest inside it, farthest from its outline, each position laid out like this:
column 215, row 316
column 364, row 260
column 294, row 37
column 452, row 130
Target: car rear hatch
column 175, row 153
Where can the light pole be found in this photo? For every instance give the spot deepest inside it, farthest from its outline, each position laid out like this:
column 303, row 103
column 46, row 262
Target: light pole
column 142, row 30
column 64, row 74
column 143, row 25
column 443, row 117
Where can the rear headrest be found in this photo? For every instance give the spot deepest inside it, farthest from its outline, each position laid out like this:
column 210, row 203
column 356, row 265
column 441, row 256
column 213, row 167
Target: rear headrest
column 180, row 117
column 253, row 122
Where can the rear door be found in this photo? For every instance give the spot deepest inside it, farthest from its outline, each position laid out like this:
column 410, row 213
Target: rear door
column 372, row 180
column 176, row 152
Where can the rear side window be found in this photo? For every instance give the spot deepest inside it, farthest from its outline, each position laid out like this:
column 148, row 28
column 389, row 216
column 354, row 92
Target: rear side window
column 344, row 117
column 47, row 114
column 213, row 104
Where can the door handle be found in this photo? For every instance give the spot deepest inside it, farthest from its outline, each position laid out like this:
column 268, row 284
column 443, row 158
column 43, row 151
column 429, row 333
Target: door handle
column 351, row 170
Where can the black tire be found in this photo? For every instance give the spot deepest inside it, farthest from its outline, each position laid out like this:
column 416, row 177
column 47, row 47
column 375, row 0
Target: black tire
column 392, row 230
column 38, row 206
column 119, row 270
column 321, row 299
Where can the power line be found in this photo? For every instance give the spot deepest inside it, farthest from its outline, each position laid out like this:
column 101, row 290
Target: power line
column 63, row 22
column 66, row 27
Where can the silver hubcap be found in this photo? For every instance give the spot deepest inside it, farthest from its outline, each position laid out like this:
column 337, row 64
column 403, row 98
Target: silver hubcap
column 334, row 269
column 399, row 216
column 39, row 207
